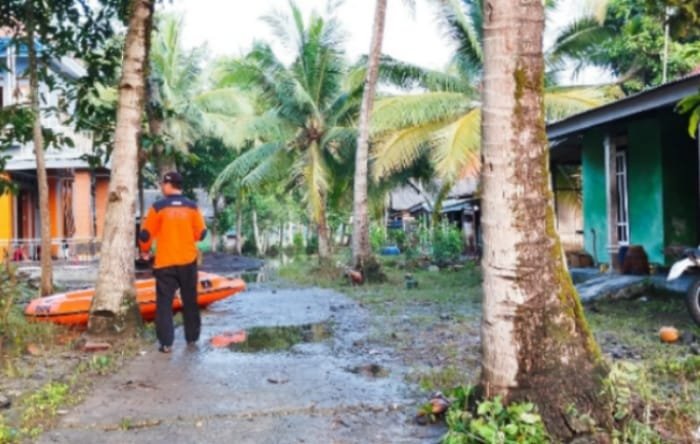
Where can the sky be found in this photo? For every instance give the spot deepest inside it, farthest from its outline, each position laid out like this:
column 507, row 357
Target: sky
column 228, row 27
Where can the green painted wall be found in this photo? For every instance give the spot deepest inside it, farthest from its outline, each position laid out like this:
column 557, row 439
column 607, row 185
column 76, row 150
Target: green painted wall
column 645, row 185
column 680, row 160
column 594, row 200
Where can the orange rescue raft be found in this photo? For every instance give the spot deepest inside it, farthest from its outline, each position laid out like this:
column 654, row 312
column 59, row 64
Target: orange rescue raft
column 73, row 308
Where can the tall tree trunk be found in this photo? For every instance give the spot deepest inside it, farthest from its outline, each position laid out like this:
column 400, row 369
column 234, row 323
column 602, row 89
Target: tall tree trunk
column 535, row 340
column 114, row 307
column 361, row 250
column 324, row 243
column 256, row 233
column 214, row 239
column 239, row 227
column 41, row 176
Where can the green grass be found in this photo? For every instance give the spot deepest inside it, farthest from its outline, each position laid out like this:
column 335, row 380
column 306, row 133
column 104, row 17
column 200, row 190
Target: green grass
column 436, row 328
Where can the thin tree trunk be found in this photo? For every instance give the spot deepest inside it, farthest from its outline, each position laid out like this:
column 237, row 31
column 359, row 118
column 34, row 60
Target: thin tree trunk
column 214, row 239
column 256, row 233
column 324, row 244
column 41, row 176
column 361, row 250
column 535, row 340
column 114, row 307
column 239, row 227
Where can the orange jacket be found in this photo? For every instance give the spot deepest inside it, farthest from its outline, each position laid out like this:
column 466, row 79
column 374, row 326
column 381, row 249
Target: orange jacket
column 176, row 224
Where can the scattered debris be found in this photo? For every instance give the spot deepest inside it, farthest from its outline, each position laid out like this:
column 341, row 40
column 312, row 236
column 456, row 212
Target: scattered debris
column 34, row 350
column 669, row 334
column 278, row 379
column 5, row 402
column 411, row 282
column 439, row 403
column 370, row 370
column 91, row 346
column 227, row 338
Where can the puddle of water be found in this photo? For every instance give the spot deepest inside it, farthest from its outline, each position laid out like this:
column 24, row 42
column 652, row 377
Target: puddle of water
column 273, row 339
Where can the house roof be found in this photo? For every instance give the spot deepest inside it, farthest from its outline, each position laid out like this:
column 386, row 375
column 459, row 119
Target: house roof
column 66, row 66
column 665, row 95
column 52, row 162
column 405, row 197
column 201, row 197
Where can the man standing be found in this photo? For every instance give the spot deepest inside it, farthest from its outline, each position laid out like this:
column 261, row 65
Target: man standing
column 176, row 224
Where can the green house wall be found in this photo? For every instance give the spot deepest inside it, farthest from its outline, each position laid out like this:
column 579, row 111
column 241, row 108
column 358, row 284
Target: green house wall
column 645, row 187
column 680, row 157
column 595, row 219
column 662, row 182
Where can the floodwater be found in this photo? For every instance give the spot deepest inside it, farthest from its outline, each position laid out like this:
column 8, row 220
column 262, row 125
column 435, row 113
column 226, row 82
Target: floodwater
column 274, row 339
column 307, row 373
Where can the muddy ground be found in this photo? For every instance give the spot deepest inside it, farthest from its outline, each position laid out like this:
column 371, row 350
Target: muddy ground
column 349, row 365
column 306, row 374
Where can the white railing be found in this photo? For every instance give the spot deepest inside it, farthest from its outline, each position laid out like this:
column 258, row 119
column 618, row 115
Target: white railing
column 62, row 249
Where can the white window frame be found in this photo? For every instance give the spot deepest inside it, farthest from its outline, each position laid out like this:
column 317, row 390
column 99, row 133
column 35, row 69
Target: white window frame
column 622, row 211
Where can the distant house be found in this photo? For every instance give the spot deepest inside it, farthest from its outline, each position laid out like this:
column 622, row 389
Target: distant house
column 411, row 204
column 77, row 193
column 639, row 173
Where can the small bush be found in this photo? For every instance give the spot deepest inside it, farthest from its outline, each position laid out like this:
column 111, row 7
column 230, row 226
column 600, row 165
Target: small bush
column 491, row 421
column 447, row 244
column 377, row 238
column 298, row 244
column 312, row 246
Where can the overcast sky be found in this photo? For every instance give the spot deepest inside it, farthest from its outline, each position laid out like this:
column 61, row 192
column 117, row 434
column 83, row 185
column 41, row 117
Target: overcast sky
column 228, row 27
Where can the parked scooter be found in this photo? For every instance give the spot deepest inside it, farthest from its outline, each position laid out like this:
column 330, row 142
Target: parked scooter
column 692, row 298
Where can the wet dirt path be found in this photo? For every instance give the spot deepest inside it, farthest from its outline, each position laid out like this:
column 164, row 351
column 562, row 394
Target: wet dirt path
column 314, row 382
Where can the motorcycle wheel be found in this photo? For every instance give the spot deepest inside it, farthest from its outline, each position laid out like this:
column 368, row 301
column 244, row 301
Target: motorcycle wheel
column 692, row 300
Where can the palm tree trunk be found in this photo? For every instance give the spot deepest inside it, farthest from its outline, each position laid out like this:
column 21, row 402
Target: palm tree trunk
column 41, row 176
column 214, row 240
column 239, row 227
column 324, row 244
column 114, row 307
column 535, row 340
column 361, row 251
column 256, row 233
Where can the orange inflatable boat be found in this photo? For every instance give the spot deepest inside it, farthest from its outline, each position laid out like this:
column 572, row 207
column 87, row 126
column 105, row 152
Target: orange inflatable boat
column 72, row 308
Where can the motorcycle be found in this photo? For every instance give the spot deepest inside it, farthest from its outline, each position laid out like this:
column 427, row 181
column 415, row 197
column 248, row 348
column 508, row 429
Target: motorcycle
column 691, row 261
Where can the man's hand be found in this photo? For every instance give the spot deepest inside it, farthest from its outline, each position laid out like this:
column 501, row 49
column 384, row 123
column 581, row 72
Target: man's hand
column 145, row 255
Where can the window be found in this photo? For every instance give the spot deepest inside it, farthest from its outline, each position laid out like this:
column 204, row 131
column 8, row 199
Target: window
column 623, row 229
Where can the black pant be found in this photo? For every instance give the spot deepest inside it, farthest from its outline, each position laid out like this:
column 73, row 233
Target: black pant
column 168, row 280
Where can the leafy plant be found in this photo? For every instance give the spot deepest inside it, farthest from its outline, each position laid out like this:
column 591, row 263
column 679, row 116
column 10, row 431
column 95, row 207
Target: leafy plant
column 492, row 422
column 447, row 243
column 377, row 238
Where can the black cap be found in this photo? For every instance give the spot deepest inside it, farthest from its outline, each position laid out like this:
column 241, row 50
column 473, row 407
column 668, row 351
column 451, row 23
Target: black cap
column 174, row 178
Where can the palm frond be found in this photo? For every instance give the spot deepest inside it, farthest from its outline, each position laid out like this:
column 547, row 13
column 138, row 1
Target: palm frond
column 580, row 41
column 402, row 148
column 244, row 164
column 457, row 147
column 395, row 113
column 563, row 101
column 691, row 105
column 462, row 21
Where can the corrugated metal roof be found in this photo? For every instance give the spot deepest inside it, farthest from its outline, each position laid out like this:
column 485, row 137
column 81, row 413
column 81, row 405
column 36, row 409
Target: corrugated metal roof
column 665, row 95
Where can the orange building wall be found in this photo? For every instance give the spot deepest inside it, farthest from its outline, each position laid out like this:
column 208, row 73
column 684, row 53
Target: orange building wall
column 82, row 206
column 55, row 214
column 5, row 223
column 101, row 192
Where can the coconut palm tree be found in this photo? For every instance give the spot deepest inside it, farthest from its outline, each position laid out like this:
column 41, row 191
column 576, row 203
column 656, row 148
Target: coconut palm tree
column 174, row 81
column 361, row 252
column 444, row 119
column 114, row 306
column 536, row 344
column 302, row 122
